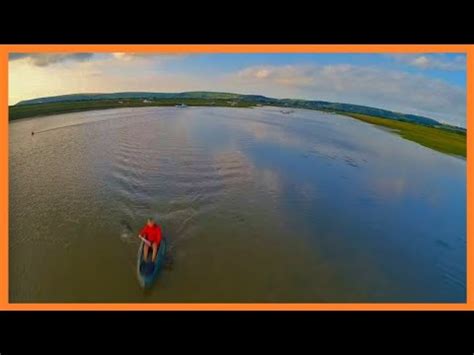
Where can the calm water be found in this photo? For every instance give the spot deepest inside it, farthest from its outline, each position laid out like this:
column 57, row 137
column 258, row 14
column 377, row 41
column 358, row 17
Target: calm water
column 257, row 206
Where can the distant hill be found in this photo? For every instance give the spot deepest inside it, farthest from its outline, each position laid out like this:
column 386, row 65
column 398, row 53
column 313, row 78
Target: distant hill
column 140, row 95
column 250, row 99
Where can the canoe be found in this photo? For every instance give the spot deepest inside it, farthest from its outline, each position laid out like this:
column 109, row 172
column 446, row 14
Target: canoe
column 148, row 272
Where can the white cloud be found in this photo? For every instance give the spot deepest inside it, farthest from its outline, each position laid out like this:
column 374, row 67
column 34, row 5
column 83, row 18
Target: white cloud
column 392, row 90
column 421, row 62
column 123, row 56
column 129, row 56
column 433, row 61
column 45, row 59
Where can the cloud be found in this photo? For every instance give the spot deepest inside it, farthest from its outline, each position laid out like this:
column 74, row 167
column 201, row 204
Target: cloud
column 45, row 59
column 16, row 56
column 129, row 56
column 364, row 85
column 432, row 61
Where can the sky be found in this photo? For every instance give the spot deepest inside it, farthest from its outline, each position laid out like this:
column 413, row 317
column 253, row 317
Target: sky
column 427, row 84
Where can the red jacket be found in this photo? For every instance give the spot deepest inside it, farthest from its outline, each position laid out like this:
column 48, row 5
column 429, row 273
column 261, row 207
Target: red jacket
column 152, row 234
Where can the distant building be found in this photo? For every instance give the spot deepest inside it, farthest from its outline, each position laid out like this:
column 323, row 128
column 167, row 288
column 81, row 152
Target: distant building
column 146, row 101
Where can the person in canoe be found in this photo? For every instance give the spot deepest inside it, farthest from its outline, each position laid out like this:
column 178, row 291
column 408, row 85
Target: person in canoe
column 152, row 233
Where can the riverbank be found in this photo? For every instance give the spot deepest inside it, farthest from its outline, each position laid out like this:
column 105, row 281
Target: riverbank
column 439, row 139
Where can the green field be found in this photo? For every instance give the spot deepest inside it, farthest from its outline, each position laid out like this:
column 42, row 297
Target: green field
column 439, row 139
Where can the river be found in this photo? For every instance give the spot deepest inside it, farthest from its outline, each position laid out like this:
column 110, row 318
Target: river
column 256, row 205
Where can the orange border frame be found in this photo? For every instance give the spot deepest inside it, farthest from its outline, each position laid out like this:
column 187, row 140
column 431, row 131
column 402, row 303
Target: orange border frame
column 5, row 49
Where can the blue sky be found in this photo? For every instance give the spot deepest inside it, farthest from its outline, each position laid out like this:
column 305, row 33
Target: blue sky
column 226, row 63
column 429, row 84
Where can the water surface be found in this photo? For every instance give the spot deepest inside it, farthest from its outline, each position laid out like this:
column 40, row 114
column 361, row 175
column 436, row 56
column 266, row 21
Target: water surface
column 257, row 206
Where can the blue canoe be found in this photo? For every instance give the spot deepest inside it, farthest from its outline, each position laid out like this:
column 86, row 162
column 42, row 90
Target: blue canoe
column 148, row 272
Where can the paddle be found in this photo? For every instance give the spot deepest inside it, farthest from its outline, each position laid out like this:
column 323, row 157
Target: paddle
column 144, row 240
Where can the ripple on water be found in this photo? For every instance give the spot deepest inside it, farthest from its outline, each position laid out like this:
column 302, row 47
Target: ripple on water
column 453, row 275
